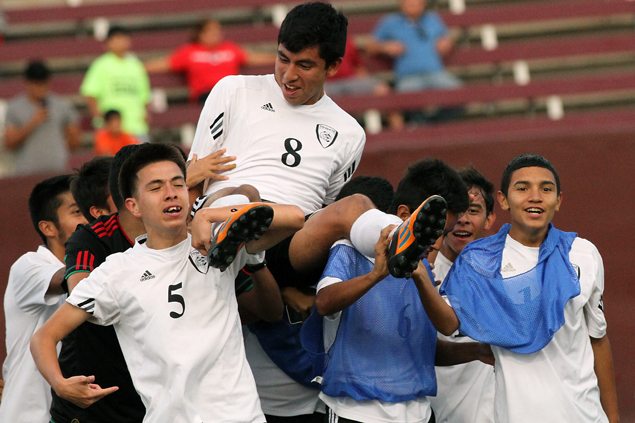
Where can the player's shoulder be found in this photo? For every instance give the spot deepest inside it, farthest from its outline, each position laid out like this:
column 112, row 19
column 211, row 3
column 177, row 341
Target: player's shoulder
column 102, row 227
column 337, row 114
column 256, row 82
column 584, row 248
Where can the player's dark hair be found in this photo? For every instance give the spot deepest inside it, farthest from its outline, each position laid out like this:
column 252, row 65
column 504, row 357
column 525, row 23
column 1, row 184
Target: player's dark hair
column 144, row 156
column 90, row 185
column 37, row 71
column 111, row 114
column 117, row 30
column 475, row 179
column 379, row 190
column 315, row 24
column 45, row 200
column 431, row 177
column 527, row 160
column 115, row 167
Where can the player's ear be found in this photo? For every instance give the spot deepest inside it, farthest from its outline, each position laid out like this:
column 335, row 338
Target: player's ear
column 559, row 201
column 97, row 211
column 133, row 207
column 335, row 66
column 502, row 200
column 489, row 221
column 48, row 228
column 403, row 212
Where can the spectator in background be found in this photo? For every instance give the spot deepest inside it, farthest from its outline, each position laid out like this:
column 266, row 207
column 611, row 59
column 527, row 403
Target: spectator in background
column 41, row 127
column 110, row 138
column 353, row 78
column 207, row 59
column 117, row 80
column 418, row 40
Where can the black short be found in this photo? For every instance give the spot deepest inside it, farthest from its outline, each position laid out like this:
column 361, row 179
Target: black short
column 280, row 267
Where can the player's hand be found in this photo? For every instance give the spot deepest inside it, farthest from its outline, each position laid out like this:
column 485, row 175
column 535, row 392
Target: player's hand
column 201, row 230
column 298, row 300
column 209, row 167
column 381, row 253
column 485, row 354
column 421, row 274
column 81, row 391
column 393, row 48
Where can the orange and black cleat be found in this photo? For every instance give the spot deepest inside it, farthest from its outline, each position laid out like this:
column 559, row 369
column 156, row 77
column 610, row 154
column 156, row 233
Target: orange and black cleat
column 415, row 235
column 246, row 224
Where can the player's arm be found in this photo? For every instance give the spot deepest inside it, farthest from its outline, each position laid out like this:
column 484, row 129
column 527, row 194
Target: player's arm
column 452, row 353
column 74, row 279
column 263, row 301
column 286, row 221
column 338, row 296
column 603, row 363
column 299, row 301
column 55, row 286
column 440, row 313
column 80, row 390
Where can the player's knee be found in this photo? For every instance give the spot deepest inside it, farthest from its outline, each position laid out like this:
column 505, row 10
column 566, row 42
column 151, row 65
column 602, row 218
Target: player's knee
column 250, row 192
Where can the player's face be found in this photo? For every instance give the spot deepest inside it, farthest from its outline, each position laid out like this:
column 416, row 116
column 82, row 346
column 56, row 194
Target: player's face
column 471, row 224
column 69, row 217
column 532, row 201
column 162, row 198
column 301, row 76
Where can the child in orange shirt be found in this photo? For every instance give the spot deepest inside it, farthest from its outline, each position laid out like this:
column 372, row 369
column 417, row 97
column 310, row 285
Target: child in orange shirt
column 110, row 138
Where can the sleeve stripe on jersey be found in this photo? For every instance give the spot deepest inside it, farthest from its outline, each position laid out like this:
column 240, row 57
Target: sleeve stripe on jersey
column 87, row 305
column 349, row 172
column 216, row 128
column 85, row 261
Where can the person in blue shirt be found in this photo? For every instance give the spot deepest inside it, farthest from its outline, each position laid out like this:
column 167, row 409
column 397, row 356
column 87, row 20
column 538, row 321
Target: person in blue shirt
column 417, row 40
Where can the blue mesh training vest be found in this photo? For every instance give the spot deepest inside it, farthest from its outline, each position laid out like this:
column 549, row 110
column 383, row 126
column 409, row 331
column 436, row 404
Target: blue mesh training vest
column 520, row 313
column 385, row 344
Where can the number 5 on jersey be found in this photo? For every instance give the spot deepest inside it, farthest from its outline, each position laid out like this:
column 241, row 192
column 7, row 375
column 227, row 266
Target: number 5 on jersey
column 176, row 298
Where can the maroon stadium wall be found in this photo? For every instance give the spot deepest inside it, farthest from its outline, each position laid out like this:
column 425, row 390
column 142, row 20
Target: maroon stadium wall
column 597, row 178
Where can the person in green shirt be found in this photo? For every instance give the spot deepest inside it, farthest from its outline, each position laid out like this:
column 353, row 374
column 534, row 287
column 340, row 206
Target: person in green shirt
column 117, row 80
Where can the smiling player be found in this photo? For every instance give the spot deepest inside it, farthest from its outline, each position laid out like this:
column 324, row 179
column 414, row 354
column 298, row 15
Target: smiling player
column 535, row 294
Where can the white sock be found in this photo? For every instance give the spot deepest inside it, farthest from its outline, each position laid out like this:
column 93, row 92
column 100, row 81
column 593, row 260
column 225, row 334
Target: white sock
column 228, row 200
column 367, row 229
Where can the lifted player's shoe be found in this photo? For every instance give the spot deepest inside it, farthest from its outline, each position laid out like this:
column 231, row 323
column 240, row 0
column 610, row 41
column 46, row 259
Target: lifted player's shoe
column 415, row 235
column 247, row 224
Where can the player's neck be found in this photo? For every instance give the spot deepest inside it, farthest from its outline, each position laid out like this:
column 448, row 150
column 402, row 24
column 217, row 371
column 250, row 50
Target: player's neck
column 529, row 237
column 162, row 238
column 130, row 225
column 57, row 248
column 448, row 253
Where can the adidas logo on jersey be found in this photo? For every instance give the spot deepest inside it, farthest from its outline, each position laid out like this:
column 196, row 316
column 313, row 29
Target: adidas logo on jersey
column 146, row 276
column 268, row 107
column 508, row 268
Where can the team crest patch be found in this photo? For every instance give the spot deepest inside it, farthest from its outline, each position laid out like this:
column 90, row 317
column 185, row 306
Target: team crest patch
column 325, row 135
column 199, row 261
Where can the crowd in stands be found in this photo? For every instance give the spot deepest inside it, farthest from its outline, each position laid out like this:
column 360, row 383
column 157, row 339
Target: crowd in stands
column 256, row 280
column 118, row 83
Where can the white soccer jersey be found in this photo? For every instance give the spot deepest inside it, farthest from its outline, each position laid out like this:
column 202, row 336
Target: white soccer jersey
column 279, row 394
column 557, row 383
column 27, row 396
column 179, row 330
column 299, row 155
column 465, row 392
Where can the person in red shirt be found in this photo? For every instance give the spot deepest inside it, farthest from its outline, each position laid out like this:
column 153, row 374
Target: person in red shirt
column 110, row 138
column 207, row 59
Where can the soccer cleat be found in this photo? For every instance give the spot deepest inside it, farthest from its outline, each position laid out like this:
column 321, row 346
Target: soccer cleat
column 415, row 236
column 247, row 224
